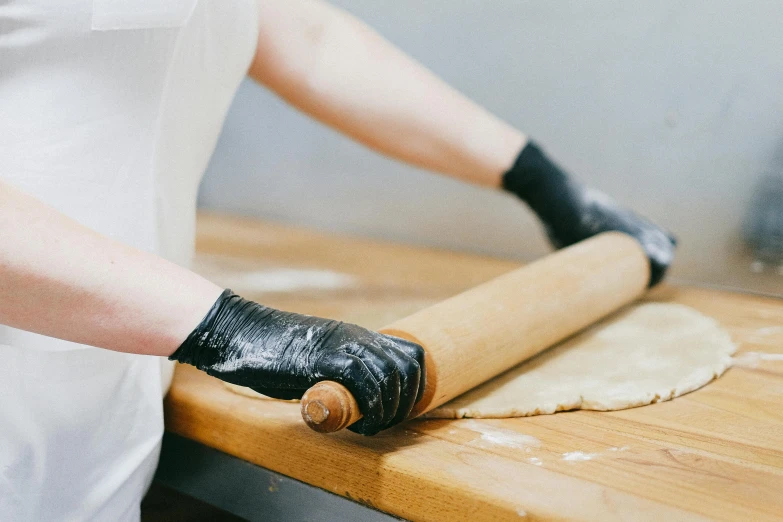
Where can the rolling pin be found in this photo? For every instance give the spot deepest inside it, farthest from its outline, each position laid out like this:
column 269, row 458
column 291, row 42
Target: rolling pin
column 480, row 333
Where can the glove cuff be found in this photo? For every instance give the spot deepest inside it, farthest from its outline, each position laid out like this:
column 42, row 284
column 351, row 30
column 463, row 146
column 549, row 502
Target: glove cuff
column 531, row 171
column 202, row 338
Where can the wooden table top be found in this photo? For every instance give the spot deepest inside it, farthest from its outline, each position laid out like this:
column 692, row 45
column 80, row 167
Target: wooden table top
column 716, row 453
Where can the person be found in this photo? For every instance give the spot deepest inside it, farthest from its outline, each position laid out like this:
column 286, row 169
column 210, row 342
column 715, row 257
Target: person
column 110, row 111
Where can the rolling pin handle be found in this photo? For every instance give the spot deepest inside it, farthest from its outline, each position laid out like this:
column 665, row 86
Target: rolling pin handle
column 329, row 406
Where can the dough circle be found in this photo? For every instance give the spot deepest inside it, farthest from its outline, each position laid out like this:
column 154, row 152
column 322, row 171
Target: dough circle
column 645, row 353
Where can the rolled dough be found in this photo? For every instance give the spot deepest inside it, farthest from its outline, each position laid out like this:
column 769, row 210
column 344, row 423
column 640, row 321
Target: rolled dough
column 645, row 353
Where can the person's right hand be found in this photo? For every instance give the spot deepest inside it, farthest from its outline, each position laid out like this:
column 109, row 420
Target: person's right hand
column 282, row 354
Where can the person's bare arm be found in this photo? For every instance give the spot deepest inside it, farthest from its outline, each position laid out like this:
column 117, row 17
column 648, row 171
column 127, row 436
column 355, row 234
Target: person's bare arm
column 61, row 279
column 333, row 67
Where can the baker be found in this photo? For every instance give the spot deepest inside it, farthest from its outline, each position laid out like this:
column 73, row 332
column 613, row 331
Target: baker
column 110, row 110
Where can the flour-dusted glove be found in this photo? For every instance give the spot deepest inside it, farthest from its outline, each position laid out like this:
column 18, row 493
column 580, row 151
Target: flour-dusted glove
column 571, row 212
column 282, row 354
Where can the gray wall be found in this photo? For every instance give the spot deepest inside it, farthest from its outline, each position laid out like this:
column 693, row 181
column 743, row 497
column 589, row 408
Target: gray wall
column 675, row 108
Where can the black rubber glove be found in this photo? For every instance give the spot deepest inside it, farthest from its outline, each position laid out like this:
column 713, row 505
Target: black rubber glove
column 571, row 212
column 282, row 354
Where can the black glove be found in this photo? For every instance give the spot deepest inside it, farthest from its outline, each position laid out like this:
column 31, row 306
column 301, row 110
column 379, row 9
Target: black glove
column 282, row 354
column 571, row 212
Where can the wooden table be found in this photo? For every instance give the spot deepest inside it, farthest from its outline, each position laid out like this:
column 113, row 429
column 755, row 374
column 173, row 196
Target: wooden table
column 715, row 453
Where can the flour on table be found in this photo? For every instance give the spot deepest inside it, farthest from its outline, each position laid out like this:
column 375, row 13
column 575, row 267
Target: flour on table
column 288, row 280
column 643, row 354
column 493, row 436
column 754, row 359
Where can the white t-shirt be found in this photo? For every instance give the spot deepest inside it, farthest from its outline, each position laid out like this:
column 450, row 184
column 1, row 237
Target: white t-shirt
column 109, row 111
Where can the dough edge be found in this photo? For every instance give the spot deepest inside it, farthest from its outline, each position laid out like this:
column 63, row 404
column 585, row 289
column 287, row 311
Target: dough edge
column 698, row 378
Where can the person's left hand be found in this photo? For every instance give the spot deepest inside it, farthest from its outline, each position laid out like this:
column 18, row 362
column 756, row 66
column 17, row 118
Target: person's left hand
column 571, row 212
column 587, row 212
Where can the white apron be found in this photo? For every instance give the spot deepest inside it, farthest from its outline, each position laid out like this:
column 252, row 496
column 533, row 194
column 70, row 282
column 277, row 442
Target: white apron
column 109, row 111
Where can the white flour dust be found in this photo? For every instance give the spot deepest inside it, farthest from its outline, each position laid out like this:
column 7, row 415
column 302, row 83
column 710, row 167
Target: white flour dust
column 753, row 359
column 579, row 455
column 657, row 245
column 287, row 280
column 769, row 330
column 492, row 436
column 655, row 242
column 535, row 461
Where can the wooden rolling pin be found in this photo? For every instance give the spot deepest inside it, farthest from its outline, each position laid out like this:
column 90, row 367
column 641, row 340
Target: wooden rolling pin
column 480, row 333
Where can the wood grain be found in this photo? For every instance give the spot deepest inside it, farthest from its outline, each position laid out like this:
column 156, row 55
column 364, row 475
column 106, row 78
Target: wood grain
column 716, row 453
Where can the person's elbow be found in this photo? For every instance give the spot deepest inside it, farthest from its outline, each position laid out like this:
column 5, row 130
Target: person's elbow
column 291, row 40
